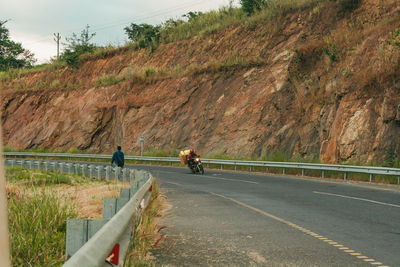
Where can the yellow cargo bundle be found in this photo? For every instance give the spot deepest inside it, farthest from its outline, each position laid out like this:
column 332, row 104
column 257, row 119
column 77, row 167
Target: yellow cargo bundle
column 182, row 156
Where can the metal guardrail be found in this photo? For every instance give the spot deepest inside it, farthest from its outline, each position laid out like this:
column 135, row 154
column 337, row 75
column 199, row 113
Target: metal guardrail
column 99, row 246
column 345, row 169
column 96, row 250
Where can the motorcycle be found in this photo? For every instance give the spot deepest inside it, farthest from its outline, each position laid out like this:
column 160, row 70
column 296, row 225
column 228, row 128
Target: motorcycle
column 196, row 166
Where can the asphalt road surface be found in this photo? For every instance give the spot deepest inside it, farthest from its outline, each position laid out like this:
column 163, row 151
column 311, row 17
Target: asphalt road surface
column 228, row 218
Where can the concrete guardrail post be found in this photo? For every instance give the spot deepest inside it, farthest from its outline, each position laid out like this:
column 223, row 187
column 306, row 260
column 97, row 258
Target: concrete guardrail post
column 61, row 165
column 84, row 167
column 29, row 164
column 108, row 171
column 70, row 168
column 76, row 167
column 45, row 165
column 323, row 174
column 118, row 173
column 99, row 172
column 125, row 175
column 371, row 177
column 90, row 171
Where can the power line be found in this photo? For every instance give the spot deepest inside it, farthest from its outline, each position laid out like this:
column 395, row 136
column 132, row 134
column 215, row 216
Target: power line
column 139, row 18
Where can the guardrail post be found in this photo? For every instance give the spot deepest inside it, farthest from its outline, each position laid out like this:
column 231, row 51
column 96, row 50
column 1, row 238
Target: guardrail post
column 250, row 168
column 91, row 171
column 22, row 163
column 235, row 167
column 83, row 167
column 371, row 177
column 45, row 165
column 99, row 169
column 76, row 167
column 346, row 175
column 323, row 174
column 61, row 164
column 398, row 180
column 117, row 174
column 13, row 162
column 302, row 172
column 124, row 175
column 221, row 166
column 54, row 166
column 284, row 171
column 108, row 170
column 70, row 170
column 29, row 164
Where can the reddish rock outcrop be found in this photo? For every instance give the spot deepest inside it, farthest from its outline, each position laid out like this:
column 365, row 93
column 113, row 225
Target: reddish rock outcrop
column 287, row 93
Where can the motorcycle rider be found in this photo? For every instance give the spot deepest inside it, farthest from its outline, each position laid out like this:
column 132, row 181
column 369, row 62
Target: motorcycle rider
column 190, row 157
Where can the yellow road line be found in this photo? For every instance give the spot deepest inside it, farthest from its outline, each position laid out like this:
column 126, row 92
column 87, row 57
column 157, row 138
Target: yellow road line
column 320, row 237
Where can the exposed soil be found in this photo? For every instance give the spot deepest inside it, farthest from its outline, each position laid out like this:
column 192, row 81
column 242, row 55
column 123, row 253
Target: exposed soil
column 321, row 84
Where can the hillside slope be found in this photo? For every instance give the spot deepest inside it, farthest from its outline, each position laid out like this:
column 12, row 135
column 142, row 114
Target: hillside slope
column 315, row 82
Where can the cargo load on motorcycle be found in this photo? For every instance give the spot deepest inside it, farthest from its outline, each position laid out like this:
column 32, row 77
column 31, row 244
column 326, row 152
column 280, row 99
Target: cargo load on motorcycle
column 183, row 156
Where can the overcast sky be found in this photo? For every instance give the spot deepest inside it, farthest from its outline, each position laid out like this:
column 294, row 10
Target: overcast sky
column 33, row 22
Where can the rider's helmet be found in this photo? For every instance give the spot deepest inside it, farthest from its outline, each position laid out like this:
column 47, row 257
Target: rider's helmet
column 191, row 150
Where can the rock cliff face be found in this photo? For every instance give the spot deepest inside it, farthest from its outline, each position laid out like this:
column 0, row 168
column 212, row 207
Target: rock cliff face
column 324, row 84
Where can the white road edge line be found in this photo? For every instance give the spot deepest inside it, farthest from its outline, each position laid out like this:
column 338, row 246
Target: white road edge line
column 357, row 198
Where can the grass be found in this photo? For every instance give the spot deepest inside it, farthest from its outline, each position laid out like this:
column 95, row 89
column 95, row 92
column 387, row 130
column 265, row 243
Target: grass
column 37, row 218
column 108, row 79
column 37, row 178
column 145, row 235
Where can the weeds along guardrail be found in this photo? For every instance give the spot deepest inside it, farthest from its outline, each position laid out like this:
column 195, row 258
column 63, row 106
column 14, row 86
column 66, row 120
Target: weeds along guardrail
column 236, row 164
column 111, row 241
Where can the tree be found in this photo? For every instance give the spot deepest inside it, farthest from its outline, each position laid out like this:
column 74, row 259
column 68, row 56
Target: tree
column 77, row 46
column 12, row 54
column 249, row 6
column 145, row 35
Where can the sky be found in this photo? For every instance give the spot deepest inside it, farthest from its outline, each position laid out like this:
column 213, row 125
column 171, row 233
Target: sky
column 33, row 23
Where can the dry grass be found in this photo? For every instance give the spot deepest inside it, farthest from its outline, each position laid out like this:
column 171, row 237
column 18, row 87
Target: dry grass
column 147, row 231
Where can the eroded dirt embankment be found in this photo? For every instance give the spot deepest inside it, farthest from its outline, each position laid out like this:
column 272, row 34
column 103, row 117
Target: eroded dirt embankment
column 322, row 85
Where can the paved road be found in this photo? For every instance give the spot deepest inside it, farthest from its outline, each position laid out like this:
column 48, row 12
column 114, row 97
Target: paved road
column 242, row 219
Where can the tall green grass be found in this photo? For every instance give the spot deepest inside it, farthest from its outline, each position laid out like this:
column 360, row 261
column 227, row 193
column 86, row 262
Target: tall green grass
column 36, row 178
column 37, row 224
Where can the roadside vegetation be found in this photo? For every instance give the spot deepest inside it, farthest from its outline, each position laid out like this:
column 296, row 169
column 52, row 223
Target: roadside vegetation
column 39, row 203
column 80, row 49
column 146, row 234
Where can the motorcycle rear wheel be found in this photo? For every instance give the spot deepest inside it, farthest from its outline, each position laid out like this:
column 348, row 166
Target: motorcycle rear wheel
column 201, row 169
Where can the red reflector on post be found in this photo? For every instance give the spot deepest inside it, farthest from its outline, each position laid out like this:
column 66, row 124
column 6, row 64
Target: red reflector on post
column 151, row 188
column 114, row 255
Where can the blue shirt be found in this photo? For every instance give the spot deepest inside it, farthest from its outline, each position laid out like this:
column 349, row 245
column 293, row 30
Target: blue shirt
column 118, row 158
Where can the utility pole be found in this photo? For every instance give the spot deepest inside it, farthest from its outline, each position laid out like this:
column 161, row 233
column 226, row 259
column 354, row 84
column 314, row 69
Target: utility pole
column 57, row 39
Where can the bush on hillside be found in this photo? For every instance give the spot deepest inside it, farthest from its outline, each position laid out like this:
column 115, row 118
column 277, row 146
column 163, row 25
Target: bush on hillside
column 395, row 37
column 144, row 35
column 77, row 46
column 249, row 6
column 348, row 5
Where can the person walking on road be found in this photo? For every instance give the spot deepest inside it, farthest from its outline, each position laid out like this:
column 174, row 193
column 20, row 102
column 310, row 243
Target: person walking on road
column 118, row 158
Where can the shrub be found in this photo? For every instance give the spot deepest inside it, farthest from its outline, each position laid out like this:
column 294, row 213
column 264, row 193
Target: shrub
column 144, row 35
column 331, row 52
column 394, row 39
column 110, row 79
column 78, row 46
column 349, row 5
column 249, row 6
